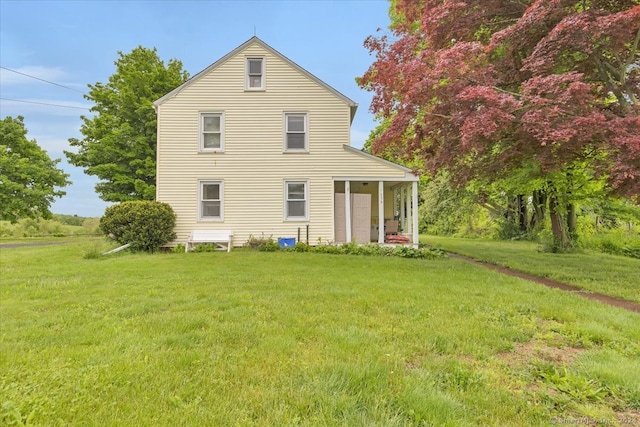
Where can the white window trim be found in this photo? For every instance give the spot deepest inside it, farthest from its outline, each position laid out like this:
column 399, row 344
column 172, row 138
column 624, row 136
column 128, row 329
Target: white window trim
column 247, row 86
column 201, row 146
column 286, row 149
column 306, row 200
column 201, row 183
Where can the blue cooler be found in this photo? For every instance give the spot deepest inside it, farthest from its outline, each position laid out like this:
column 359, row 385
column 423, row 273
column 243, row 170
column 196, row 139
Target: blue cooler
column 286, row 242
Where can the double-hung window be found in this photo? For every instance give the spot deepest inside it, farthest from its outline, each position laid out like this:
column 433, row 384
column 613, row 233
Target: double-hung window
column 211, row 200
column 295, row 125
column 296, row 194
column 212, row 132
column 255, row 73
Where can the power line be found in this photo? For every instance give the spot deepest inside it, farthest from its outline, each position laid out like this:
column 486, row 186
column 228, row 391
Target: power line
column 42, row 80
column 45, row 103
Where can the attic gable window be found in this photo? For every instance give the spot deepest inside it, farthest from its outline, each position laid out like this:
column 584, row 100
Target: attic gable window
column 255, row 73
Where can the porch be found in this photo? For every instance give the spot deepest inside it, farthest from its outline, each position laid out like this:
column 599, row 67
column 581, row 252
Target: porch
column 376, row 210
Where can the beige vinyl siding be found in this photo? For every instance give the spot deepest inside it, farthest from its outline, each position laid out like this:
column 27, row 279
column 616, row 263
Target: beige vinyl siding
column 253, row 166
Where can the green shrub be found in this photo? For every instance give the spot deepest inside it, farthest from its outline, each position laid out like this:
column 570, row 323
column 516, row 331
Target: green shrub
column 301, row 247
column 621, row 241
column 422, row 253
column 631, row 250
column 366, row 249
column 610, row 247
column 265, row 244
column 204, row 247
column 178, row 249
column 255, row 242
column 509, row 230
column 327, row 249
column 269, row 245
column 370, row 249
column 550, row 244
column 373, row 249
column 147, row 225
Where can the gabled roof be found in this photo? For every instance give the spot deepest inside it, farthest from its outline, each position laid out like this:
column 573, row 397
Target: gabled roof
column 240, row 48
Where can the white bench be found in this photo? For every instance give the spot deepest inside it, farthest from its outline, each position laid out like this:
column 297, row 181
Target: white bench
column 221, row 238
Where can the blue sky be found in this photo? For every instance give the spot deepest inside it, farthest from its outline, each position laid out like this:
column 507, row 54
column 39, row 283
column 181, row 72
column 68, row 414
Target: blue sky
column 75, row 43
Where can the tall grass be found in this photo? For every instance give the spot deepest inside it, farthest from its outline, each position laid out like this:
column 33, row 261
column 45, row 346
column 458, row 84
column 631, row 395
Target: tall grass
column 274, row 338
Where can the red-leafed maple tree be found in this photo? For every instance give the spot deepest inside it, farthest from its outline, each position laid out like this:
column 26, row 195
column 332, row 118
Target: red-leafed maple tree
column 482, row 88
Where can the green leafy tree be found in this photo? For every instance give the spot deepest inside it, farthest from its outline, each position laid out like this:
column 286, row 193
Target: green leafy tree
column 451, row 210
column 29, row 179
column 482, row 88
column 119, row 144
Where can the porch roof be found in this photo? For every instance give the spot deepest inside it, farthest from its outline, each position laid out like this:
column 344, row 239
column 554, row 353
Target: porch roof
column 404, row 174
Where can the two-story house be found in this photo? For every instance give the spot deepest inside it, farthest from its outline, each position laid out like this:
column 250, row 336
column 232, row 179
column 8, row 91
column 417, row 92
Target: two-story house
column 258, row 145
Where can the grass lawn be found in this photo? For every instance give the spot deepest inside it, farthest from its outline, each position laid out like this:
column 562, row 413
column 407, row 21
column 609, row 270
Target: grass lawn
column 613, row 275
column 252, row 338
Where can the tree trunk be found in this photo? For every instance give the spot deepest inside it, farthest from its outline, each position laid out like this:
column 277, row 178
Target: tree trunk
column 572, row 228
column 510, row 229
column 560, row 238
column 510, row 213
column 539, row 200
column 572, row 219
column 522, row 214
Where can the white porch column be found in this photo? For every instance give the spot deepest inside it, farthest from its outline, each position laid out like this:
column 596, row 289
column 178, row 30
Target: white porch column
column 403, row 225
column 380, row 211
column 347, row 209
column 409, row 218
column 414, row 209
column 395, row 207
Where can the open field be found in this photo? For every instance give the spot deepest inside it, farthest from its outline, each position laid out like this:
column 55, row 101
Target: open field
column 594, row 271
column 253, row 338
